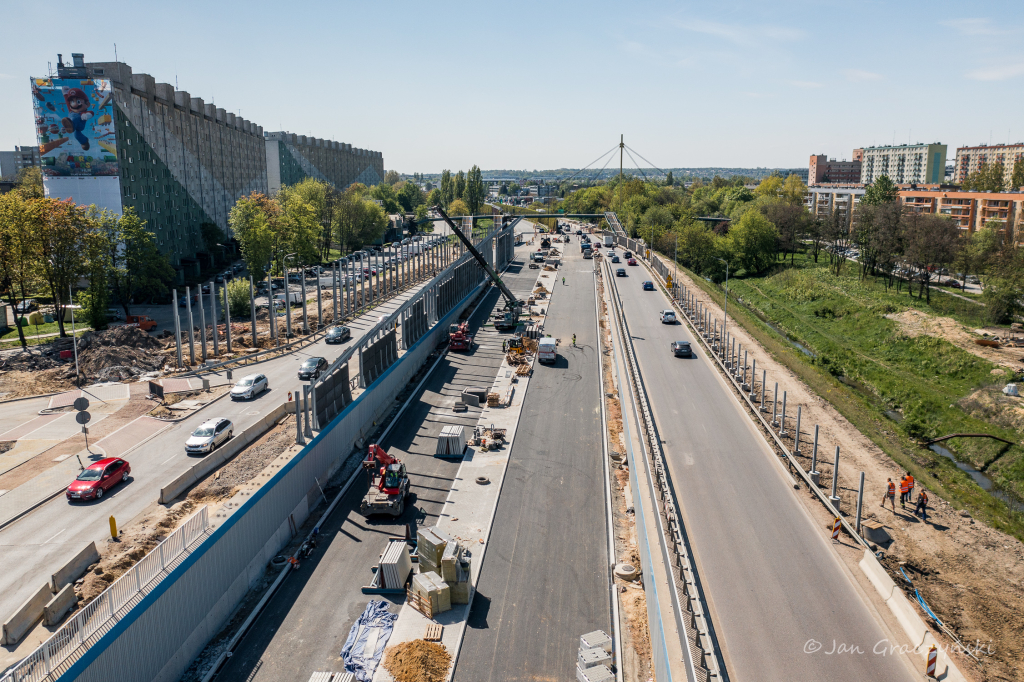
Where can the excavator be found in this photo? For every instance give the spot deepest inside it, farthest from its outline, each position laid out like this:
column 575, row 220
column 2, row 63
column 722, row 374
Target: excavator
column 459, row 337
column 508, row 319
column 389, row 483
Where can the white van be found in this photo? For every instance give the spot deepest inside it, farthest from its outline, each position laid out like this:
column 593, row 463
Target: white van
column 293, row 297
column 546, row 350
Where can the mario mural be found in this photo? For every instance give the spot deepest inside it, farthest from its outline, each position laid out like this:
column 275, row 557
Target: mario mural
column 75, row 126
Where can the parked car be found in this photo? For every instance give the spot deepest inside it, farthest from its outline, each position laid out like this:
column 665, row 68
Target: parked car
column 648, row 286
column 681, row 349
column 620, row 272
column 311, row 368
column 209, row 435
column 615, row 259
column 26, row 306
column 338, row 335
column 250, row 386
column 114, row 314
column 631, row 261
column 668, row 317
column 97, row 479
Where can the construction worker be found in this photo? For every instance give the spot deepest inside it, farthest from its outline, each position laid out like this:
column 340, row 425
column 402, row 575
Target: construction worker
column 563, row 281
column 504, row 346
column 890, row 494
column 910, row 489
column 922, row 505
column 573, row 340
column 904, row 491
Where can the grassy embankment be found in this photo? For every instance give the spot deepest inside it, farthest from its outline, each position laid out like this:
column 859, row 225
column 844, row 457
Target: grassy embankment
column 865, row 366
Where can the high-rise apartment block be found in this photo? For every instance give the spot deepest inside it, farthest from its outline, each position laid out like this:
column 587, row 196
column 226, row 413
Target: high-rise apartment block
column 22, row 157
column 970, row 159
column 971, row 210
column 823, row 170
column 114, row 138
column 904, row 164
column 292, row 158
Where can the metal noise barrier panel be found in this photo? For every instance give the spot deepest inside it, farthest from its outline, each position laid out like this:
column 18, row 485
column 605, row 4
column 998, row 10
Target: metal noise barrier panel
column 333, row 394
column 378, row 357
column 415, row 324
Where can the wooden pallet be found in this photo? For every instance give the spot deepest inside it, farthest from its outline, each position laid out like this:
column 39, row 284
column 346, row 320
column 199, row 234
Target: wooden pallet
column 434, row 631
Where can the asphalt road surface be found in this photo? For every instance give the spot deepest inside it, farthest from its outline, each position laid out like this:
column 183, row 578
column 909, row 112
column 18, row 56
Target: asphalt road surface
column 544, row 580
column 305, row 625
column 774, row 584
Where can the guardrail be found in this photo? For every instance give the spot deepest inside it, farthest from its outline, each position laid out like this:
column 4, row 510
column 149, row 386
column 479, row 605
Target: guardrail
column 698, row 625
column 66, row 645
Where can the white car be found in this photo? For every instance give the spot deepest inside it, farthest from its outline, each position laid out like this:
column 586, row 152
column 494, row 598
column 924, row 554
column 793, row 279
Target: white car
column 208, row 436
column 250, row 387
column 668, row 317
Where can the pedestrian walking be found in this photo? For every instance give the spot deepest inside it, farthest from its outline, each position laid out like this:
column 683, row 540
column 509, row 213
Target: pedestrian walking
column 890, row 494
column 563, row 281
column 904, row 490
column 910, row 487
column 922, row 505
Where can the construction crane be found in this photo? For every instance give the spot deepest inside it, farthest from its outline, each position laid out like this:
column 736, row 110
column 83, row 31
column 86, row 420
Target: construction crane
column 389, row 483
column 509, row 318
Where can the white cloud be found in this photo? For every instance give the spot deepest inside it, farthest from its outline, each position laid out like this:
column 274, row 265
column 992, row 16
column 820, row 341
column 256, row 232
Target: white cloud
column 997, row 73
column 806, row 84
column 740, row 34
column 859, row 76
column 974, row 27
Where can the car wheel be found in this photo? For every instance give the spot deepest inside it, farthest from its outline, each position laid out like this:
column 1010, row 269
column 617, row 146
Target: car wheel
column 231, row 434
column 99, row 493
column 124, row 477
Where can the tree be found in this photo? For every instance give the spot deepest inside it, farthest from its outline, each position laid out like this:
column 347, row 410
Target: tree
column 769, row 187
column 931, row 241
column 654, row 222
column 514, row 188
column 789, row 219
column 358, row 221
column 136, row 269
column 836, row 234
column 669, row 181
column 753, row 242
column 880, row 235
column 988, row 178
column 981, row 246
column 458, row 208
column 459, row 186
column 433, row 198
column 881, row 191
column 387, row 196
column 1004, row 287
column 1017, row 176
column 59, row 245
column 475, row 192
column 238, row 298
column 447, row 189
column 793, row 190
column 392, row 177
column 698, row 247
column 254, row 222
column 17, row 266
column 503, row 190
column 30, row 182
column 410, row 196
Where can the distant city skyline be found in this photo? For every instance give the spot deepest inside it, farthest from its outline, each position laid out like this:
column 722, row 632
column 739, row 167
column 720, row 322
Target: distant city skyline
column 689, row 85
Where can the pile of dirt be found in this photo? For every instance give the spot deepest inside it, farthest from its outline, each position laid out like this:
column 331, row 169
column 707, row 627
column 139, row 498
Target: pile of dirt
column 916, row 323
column 991, row 405
column 418, row 661
column 118, row 354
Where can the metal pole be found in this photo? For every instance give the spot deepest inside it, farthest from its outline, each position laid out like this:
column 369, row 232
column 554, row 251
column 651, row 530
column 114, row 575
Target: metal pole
column 299, row 438
column 775, row 406
column 782, row 427
column 252, row 308
column 271, row 309
column 860, row 500
column 74, row 339
column 202, row 323
column 177, row 325
column 764, row 377
column 287, row 300
column 799, row 411
column 334, row 283
column 815, row 474
column 834, row 499
column 191, row 327
column 306, row 410
column 302, row 288
column 213, row 312
column 319, row 303
column 227, row 318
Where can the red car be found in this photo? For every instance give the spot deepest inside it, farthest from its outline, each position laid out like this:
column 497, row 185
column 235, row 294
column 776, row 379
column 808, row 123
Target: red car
column 98, row 478
column 631, row 261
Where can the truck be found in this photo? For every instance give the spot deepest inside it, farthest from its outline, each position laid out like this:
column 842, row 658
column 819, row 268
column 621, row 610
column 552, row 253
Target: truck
column 609, row 240
column 459, row 337
column 547, row 349
column 389, row 483
column 143, row 322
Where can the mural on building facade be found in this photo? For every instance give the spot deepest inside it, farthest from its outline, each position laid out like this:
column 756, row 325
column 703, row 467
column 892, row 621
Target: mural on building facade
column 75, row 126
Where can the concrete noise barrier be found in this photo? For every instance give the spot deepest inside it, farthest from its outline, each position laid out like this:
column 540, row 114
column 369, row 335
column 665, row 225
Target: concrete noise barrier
column 22, row 620
column 69, row 572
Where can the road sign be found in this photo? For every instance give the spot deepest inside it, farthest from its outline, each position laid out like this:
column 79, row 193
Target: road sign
column 83, row 418
column 82, row 404
column 836, row 525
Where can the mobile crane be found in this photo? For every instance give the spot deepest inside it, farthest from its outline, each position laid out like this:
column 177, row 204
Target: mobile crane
column 508, row 319
column 389, row 483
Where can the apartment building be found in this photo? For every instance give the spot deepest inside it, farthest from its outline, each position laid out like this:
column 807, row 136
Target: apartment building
column 292, row 158
column 114, row 138
column 970, row 159
column 918, row 163
column 822, row 200
column 825, row 170
column 22, row 157
column 971, row 210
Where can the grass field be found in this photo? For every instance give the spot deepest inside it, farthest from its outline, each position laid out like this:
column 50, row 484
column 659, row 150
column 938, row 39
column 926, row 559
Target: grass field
column 894, row 388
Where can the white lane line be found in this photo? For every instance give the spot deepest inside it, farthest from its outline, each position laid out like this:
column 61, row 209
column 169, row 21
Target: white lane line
column 56, row 535
column 167, row 460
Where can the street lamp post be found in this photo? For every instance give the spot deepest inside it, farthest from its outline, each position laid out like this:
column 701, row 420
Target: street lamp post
column 287, row 296
column 74, row 339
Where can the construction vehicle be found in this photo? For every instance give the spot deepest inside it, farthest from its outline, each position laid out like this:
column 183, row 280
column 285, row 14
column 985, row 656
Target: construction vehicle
column 389, row 483
column 508, row 319
column 545, row 243
column 143, row 322
column 459, row 337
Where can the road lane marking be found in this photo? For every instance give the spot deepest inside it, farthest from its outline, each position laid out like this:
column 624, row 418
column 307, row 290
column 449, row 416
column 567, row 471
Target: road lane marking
column 167, row 460
column 56, row 535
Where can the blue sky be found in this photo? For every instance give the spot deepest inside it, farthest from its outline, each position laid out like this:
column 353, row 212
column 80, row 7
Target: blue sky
column 553, row 84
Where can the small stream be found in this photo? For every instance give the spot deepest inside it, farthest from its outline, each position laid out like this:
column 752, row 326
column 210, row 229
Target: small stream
column 796, row 344
column 980, row 478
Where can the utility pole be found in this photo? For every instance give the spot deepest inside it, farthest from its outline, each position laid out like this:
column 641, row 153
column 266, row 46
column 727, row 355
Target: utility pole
column 622, row 145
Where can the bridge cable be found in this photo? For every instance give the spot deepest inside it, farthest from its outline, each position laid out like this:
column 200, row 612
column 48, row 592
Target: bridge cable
column 651, row 164
column 637, row 165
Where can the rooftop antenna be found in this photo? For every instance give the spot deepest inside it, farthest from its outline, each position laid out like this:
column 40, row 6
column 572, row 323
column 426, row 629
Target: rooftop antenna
column 115, row 52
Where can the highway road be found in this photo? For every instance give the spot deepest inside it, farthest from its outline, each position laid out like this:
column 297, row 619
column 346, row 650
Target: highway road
column 304, row 626
column 774, row 584
column 40, row 542
column 544, row 580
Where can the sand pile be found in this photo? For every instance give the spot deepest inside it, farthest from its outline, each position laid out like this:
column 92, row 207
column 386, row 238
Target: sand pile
column 117, row 354
column 418, row 661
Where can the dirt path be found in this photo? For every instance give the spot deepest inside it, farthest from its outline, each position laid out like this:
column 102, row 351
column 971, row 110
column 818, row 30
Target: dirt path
column 971, row 575
column 917, row 323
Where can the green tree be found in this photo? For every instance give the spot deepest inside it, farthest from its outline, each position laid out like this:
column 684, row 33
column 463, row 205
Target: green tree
column 59, row 245
column 1004, row 287
column 881, row 191
column 698, row 248
column 514, row 188
column 358, row 220
column 981, row 246
column 136, row 270
column 447, row 189
column 771, row 187
column 475, row 192
column 1017, row 176
column 458, row 208
column 30, row 182
column 410, row 196
column 503, row 190
column 301, row 230
column 433, row 197
column 669, row 180
column 387, row 196
column 459, row 186
column 392, row 177
column 238, row 298
column 793, row 190
column 988, row 178
column 254, row 221
column 17, row 264
column 753, row 243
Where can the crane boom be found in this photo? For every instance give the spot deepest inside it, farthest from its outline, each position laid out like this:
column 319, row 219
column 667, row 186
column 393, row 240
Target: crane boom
column 509, row 298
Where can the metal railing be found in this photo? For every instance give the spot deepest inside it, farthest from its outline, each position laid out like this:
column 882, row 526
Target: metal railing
column 67, row 645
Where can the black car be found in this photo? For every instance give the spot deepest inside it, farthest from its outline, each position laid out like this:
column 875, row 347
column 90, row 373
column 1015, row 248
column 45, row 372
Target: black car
column 628, row 254
column 681, row 349
column 311, row 368
column 338, row 335
column 615, row 259
column 620, row 272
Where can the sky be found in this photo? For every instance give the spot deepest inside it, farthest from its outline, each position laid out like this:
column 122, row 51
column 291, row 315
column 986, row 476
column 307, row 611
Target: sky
column 537, row 85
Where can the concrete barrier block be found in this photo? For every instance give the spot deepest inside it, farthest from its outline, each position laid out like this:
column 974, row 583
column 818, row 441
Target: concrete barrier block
column 72, row 570
column 908, row 617
column 877, row 575
column 26, row 615
column 59, row 605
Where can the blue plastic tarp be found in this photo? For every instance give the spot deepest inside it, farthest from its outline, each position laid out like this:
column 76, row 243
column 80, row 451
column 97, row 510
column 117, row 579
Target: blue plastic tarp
column 374, row 625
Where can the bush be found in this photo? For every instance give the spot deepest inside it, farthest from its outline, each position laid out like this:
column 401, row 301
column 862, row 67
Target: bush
column 238, row 297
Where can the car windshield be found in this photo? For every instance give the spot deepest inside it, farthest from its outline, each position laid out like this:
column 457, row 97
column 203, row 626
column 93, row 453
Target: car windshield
column 245, row 382
column 90, row 475
column 311, row 362
column 203, row 431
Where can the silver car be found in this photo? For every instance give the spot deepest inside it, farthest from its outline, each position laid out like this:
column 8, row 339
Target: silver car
column 249, row 387
column 209, row 436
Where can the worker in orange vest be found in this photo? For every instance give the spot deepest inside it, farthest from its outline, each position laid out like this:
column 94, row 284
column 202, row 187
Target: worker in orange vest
column 904, row 491
column 890, row 494
column 922, row 505
column 910, row 483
